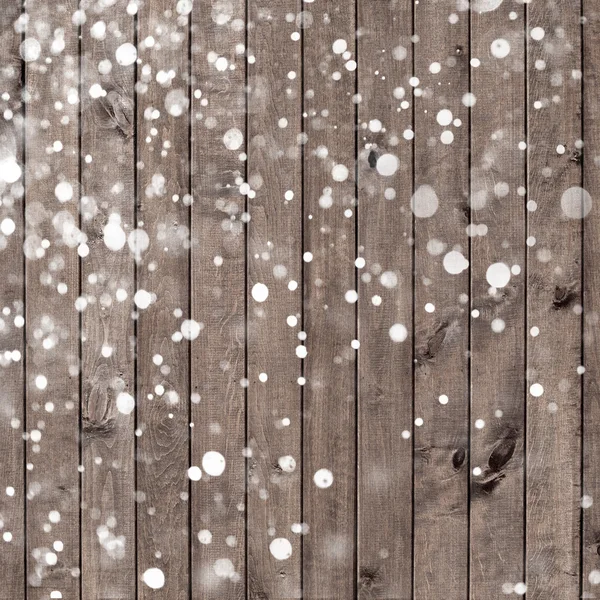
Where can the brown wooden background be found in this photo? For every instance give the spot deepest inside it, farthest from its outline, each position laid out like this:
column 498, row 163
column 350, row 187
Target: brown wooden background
column 468, row 499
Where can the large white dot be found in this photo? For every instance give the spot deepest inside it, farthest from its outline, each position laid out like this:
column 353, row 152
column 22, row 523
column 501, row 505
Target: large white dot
column 498, row 275
column 142, row 299
column 194, row 473
column 387, row 165
column 190, row 329
column 63, row 191
column 536, row 390
column 483, row 6
column 424, row 202
column 213, row 463
column 398, row 332
column 340, row 172
column 7, row 227
column 500, row 48
column 125, row 403
column 41, row 382
column 114, row 236
column 233, row 139
column 126, row 54
column 444, row 117
column 287, row 463
column 204, row 536
column 30, row 49
column 280, row 548
column 154, row 578
column 576, row 203
column 260, row 292
column 10, row 171
column 323, row 478
column 455, row 262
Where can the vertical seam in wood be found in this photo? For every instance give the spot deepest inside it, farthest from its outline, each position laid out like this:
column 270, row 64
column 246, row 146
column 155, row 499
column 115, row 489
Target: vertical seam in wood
column 582, row 318
column 356, row 306
column 302, row 146
column 526, row 284
column 80, row 313
column 246, row 299
column 24, row 308
column 470, row 303
column 135, row 321
column 413, row 307
column 189, row 307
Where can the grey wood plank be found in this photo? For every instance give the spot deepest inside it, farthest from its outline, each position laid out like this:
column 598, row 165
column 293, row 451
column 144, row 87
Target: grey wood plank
column 385, row 243
column 218, row 298
column 553, row 301
column 591, row 278
column 52, row 287
column 329, row 302
column 441, row 432
column 274, row 259
column 12, row 297
column 162, row 299
column 107, row 215
column 498, row 217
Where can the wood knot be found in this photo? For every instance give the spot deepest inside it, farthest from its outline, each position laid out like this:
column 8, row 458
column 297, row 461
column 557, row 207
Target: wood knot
column 98, row 428
column 501, row 453
column 564, row 295
column 434, row 344
column 115, row 111
column 368, row 577
column 372, row 158
column 458, row 458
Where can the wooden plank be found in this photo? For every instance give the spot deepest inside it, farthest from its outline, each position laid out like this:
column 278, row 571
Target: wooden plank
column 108, row 164
column 12, row 346
column 274, row 259
column 330, row 296
column 591, row 279
column 441, row 441
column 52, row 287
column 553, row 301
column 162, row 299
column 218, row 284
column 497, row 330
column 385, row 399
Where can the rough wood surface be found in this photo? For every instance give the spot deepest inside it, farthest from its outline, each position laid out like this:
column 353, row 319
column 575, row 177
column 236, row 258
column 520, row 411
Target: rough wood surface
column 12, row 297
column 441, row 436
column 218, row 299
column 591, row 288
column 329, row 229
column 553, row 304
column 51, row 321
column 163, row 394
column 411, row 413
column 273, row 260
column 108, row 196
column 385, row 242
column 498, row 218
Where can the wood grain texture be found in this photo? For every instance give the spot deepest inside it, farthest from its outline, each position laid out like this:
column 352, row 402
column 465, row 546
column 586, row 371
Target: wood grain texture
column 51, row 321
column 553, row 303
column 385, row 241
column 12, row 297
column 163, row 354
column 498, row 183
column 329, row 319
column 591, row 280
column 274, row 259
column 249, row 144
column 441, row 337
column 108, row 201
column 219, row 297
